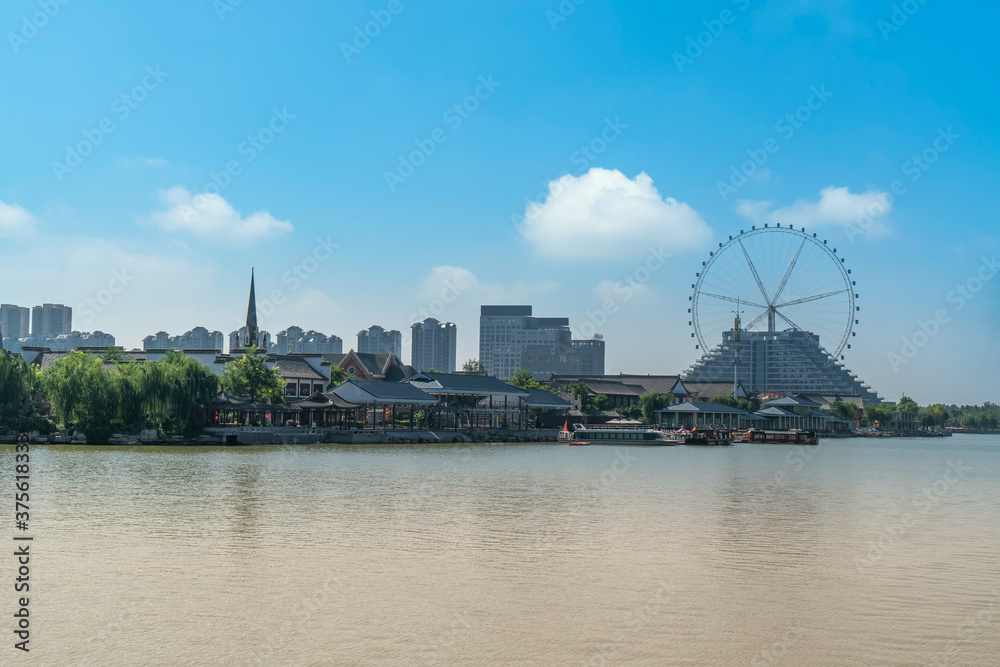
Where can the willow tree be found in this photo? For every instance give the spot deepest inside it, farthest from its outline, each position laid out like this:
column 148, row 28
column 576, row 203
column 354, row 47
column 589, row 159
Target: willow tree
column 84, row 394
column 17, row 381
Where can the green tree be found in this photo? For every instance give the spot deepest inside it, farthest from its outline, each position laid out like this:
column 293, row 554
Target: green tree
column 250, row 376
column 84, row 394
column 338, row 376
column 878, row 413
column 907, row 404
column 934, row 416
column 848, row 411
column 17, row 381
column 652, row 401
column 473, row 366
column 523, row 379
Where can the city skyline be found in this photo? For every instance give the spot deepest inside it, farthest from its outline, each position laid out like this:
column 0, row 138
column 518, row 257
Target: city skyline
column 486, row 179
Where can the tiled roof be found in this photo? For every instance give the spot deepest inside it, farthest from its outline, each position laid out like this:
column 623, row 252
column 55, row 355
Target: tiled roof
column 777, row 412
column 292, row 367
column 619, row 385
column 368, row 391
column 540, row 398
column 400, row 373
column 793, row 402
column 328, row 401
column 691, row 406
column 457, row 383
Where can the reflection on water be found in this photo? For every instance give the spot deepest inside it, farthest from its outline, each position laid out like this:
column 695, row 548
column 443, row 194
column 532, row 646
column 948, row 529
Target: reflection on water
column 850, row 553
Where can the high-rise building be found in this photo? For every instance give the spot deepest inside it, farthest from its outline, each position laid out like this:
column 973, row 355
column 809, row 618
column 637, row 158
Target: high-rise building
column 376, row 340
column 294, row 340
column 198, row 338
column 15, row 321
column 790, row 362
column 510, row 338
column 433, row 345
column 51, row 319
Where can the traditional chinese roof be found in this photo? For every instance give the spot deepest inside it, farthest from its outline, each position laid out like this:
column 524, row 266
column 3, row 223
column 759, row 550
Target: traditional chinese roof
column 458, row 383
column 792, row 402
column 370, row 391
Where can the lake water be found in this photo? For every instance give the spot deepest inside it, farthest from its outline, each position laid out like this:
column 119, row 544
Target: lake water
column 854, row 552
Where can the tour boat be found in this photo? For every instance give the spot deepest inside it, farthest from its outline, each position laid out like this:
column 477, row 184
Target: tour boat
column 707, row 437
column 622, row 435
column 792, row 437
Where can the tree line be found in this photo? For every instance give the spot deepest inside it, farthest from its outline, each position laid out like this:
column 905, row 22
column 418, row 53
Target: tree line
column 101, row 395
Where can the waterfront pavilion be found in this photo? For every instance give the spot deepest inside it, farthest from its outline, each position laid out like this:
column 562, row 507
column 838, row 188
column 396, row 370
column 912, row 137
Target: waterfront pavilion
column 233, row 411
column 689, row 415
column 473, row 401
column 782, row 419
column 546, row 410
column 385, row 404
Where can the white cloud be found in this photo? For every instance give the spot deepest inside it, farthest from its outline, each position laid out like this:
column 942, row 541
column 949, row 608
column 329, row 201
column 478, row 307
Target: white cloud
column 211, row 216
column 604, row 214
column 15, row 219
column 447, row 281
column 865, row 211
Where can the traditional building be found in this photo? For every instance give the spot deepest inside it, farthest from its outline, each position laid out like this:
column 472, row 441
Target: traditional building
column 371, row 367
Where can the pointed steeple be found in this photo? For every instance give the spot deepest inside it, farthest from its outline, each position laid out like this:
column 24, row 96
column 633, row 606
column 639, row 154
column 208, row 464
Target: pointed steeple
column 251, row 335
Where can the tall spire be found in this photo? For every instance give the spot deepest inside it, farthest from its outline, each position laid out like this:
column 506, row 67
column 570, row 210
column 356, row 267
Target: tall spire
column 251, row 335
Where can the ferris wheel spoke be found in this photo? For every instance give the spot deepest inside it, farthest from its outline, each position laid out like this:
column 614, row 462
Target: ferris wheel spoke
column 788, row 273
column 756, row 276
column 807, row 299
column 755, row 321
column 733, row 299
column 794, row 325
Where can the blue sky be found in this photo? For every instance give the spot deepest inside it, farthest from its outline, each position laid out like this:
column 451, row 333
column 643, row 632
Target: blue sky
column 165, row 98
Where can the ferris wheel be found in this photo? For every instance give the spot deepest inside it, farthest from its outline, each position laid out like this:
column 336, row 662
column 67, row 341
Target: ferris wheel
column 775, row 278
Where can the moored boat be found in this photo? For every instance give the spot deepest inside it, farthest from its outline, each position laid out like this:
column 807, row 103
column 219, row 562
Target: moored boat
column 622, row 435
column 790, row 437
column 707, row 437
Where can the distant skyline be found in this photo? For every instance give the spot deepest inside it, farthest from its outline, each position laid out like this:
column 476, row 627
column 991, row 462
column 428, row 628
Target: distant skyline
column 505, row 153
